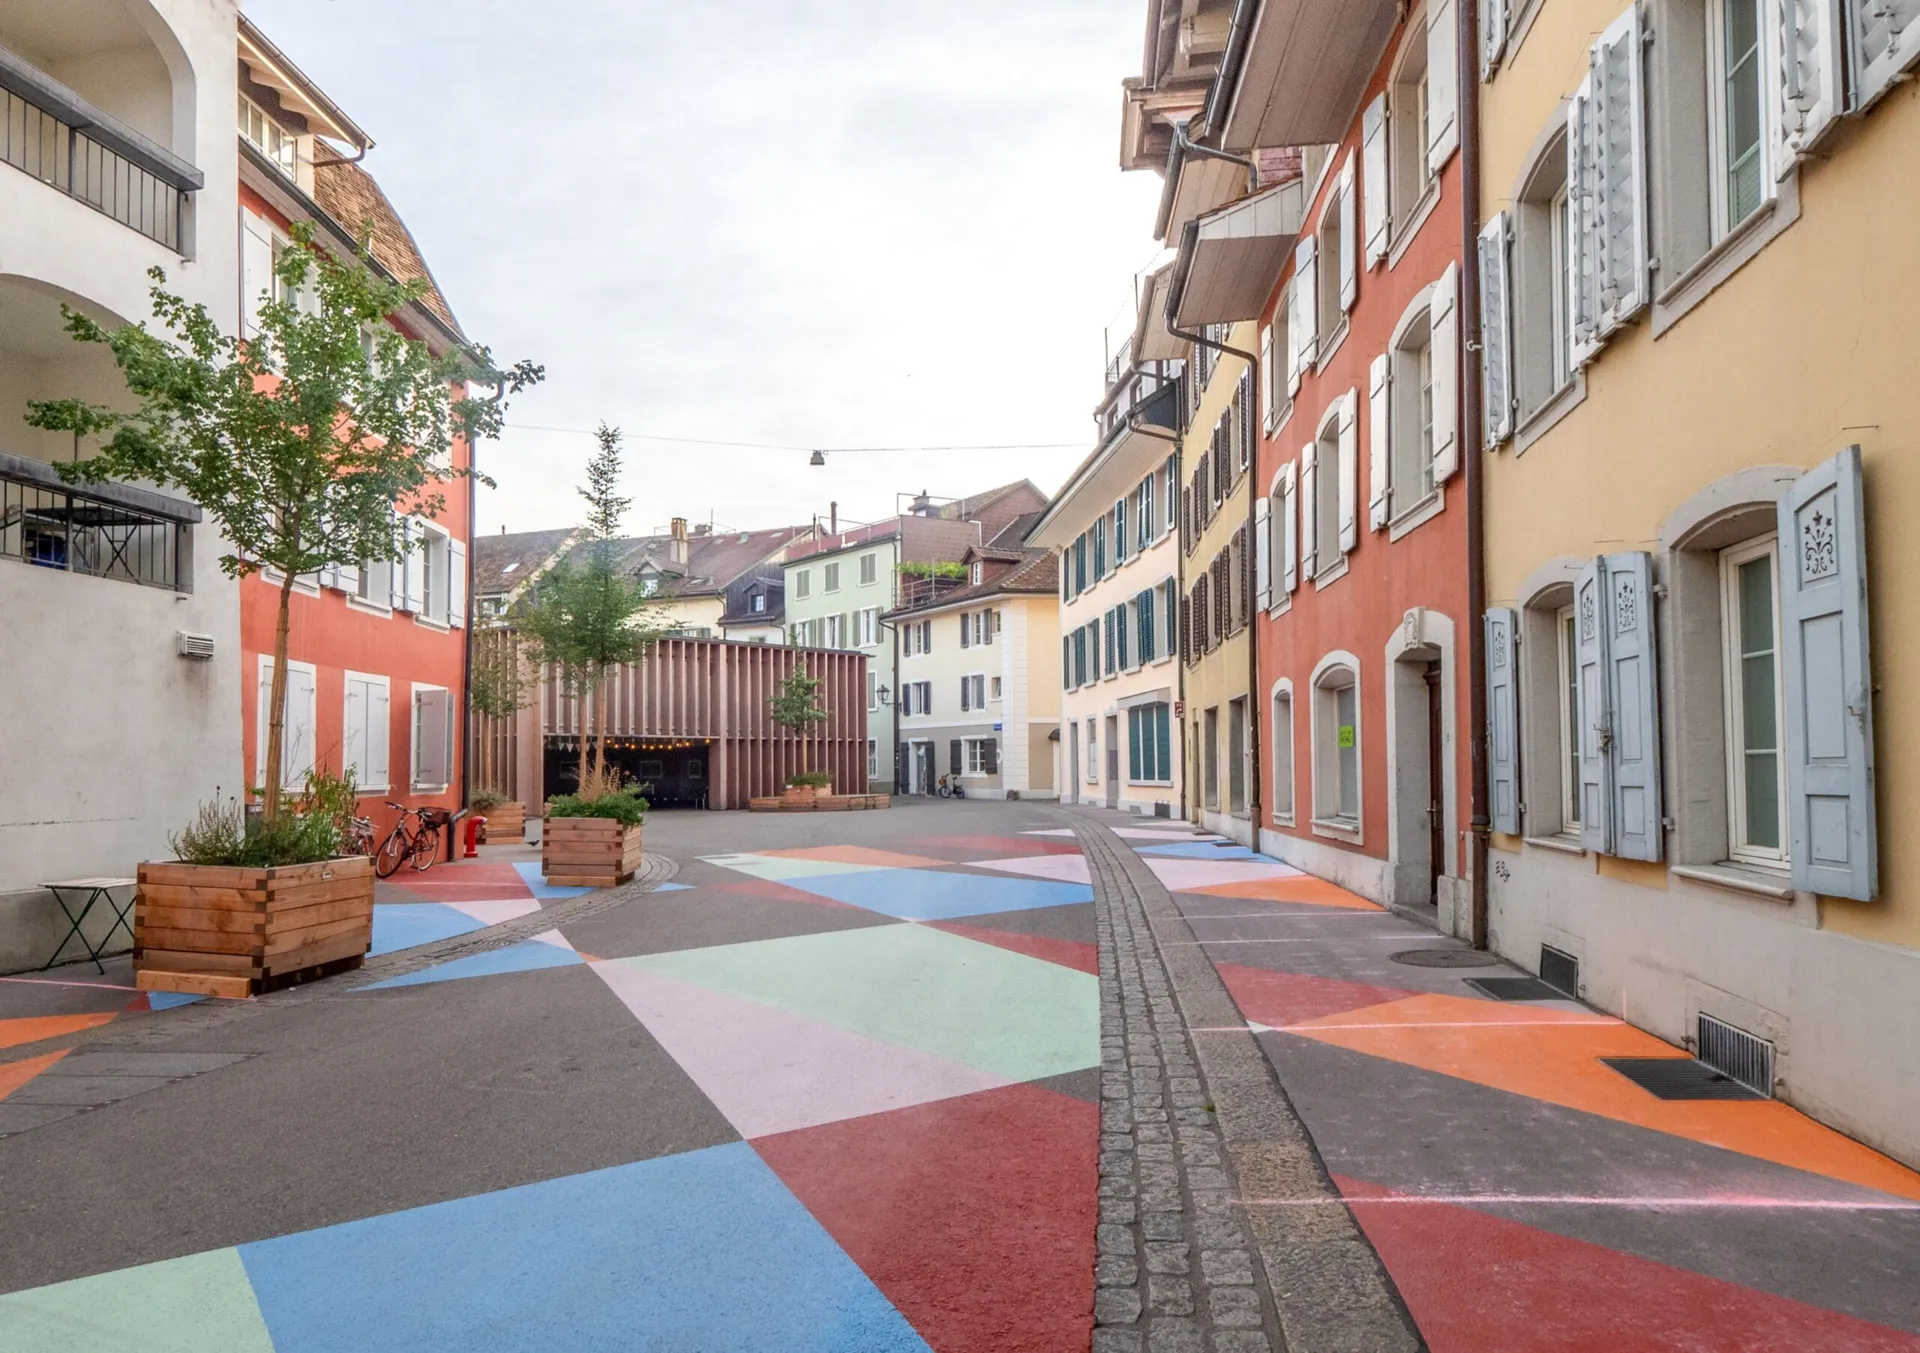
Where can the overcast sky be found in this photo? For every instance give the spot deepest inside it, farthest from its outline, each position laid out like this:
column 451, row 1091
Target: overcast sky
column 837, row 223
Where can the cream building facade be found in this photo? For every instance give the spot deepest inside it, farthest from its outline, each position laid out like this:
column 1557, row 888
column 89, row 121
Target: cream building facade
column 1697, row 278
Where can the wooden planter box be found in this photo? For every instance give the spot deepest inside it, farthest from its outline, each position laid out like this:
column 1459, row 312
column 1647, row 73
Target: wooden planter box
column 211, row 930
column 808, row 793
column 506, row 822
column 588, row 852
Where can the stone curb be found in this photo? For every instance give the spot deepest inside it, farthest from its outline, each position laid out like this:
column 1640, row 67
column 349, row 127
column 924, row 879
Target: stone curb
column 1323, row 1281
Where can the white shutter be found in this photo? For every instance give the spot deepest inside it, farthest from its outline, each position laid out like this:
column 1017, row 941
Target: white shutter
column 1833, row 835
column 263, row 714
column 1808, row 95
column 1503, row 718
column 256, row 271
column 1373, row 178
column 1496, row 347
column 1262, row 554
column 1583, row 224
column 1443, row 84
column 397, row 570
column 296, row 758
column 1290, row 529
column 1444, row 337
column 1349, row 471
column 456, row 583
column 1885, row 40
column 379, row 734
column 353, row 738
column 1269, row 406
column 1307, row 456
column 1349, row 238
column 1493, row 35
column 1634, row 704
column 1306, row 303
column 1594, row 733
column 415, row 571
column 431, row 737
column 1379, row 445
column 349, row 576
column 1619, row 96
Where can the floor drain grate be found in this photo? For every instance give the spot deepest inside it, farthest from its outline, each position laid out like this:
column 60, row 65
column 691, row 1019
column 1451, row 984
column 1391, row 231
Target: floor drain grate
column 1679, row 1078
column 1444, row 958
column 1515, row 989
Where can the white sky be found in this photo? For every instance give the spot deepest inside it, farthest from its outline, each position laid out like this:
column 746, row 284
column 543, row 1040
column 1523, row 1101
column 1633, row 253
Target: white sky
column 833, row 223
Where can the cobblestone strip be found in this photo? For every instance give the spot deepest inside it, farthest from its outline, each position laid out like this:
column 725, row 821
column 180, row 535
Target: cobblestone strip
column 1247, row 1178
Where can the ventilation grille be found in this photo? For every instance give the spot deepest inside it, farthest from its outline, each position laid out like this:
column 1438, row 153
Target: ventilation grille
column 199, row 647
column 1560, row 970
column 1737, row 1054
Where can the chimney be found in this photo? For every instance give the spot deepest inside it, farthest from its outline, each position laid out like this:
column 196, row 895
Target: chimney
column 923, row 506
column 677, row 546
column 833, row 519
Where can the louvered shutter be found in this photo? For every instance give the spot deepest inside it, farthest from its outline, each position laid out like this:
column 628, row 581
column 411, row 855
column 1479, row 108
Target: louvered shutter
column 1444, row 335
column 1262, row 554
column 990, row 756
column 456, row 583
column 1594, row 733
column 1349, row 238
column 1306, row 305
column 1373, row 178
column 1443, row 84
column 966, row 630
column 1349, row 471
column 1290, row 529
column 955, row 755
column 1808, row 95
column 1493, row 35
column 1825, row 656
column 1379, row 443
column 1885, row 40
column 1496, row 329
column 1307, row 514
column 966, row 692
column 1634, row 705
column 1503, row 718
column 1066, row 662
column 1619, row 95
column 1119, row 626
column 1583, row 223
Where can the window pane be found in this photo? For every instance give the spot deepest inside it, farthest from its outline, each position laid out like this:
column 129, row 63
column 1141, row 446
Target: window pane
column 1743, row 109
column 1346, row 736
column 1758, row 721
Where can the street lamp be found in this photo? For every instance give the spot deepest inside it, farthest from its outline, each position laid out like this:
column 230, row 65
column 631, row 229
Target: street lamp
column 818, row 458
column 885, row 696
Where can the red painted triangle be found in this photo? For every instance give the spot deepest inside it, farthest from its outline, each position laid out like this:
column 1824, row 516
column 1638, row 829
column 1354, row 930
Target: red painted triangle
column 1483, row 1284
column 973, row 1215
column 752, row 887
column 1278, row 999
column 1077, row 954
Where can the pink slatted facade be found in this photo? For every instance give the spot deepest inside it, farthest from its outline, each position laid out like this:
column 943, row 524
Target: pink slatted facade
column 717, row 693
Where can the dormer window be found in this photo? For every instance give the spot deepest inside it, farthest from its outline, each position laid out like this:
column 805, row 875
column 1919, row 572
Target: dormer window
column 978, row 572
column 759, row 602
column 268, row 137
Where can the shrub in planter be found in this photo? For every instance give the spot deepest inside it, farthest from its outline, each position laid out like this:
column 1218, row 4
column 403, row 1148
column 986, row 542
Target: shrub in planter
column 592, row 838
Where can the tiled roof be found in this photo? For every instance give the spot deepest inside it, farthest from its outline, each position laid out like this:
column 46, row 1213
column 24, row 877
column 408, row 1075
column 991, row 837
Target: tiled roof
column 502, row 562
column 1037, row 572
column 713, row 561
column 349, row 194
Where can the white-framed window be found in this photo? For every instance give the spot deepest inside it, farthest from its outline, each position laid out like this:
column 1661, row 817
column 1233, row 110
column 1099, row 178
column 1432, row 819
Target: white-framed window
column 803, row 582
column 432, row 737
column 1408, row 105
column 759, row 603
column 1328, row 472
column 869, row 636
column 1275, row 401
column 993, row 688
column 976, row 572
column 869, row 568
column 268, row 137
column 1411, row 428
column 836, row 631
column 297, row 740
column 366, row 729
column 1283, row 753
column 1540, row 312
column 973, row 692
column 873, row 759
column 1736, row 110
column 1566, row 643
column 830, row 579
column 436, row 575
column 1332, row 247
column 1336, row 747
column 920, row 695
column 980, row 759
column 1092, row 744
column 1750, row 639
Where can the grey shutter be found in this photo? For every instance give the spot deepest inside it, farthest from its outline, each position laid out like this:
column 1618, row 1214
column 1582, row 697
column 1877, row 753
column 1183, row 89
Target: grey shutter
column 1493, row 35
column 1496, row 347
column 990, row 756
column 1503, row 718
column 1262, row 554
column 1594, row 734
column 966, row 630
column 1619, row 95
column 1634, row 700
column 955, row 755
column 1808, row 95
column 1066, row 662
column 1885, row 40
column 1583, row 224
column 1833, row 844
column 966, row 688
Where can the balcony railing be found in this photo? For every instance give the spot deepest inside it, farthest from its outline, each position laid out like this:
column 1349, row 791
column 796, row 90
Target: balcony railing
column 103, row 530
column 52, row 133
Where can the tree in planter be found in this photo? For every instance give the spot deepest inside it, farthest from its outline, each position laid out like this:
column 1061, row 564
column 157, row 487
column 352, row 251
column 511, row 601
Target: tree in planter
column 301, row 441
column 797, row 709
column 586, row 617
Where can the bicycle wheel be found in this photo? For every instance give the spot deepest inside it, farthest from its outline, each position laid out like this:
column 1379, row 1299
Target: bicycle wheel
column 426, row 849
column 393, row 852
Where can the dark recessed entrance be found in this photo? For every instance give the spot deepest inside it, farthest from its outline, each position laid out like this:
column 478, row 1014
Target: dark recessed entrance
column 672, row 772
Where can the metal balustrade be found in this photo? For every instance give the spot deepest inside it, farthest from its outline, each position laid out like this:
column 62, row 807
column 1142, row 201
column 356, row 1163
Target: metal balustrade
column 109, row 533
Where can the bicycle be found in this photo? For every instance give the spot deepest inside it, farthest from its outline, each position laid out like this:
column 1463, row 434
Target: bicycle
column 951, row 788
column 403, row 843
column 359, row 838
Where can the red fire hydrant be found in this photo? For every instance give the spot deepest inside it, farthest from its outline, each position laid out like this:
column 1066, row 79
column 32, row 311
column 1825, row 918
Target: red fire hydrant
column 474, row 824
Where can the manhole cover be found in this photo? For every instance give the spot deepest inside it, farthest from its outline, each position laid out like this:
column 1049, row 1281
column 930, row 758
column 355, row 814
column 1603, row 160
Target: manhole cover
column 1445, row 958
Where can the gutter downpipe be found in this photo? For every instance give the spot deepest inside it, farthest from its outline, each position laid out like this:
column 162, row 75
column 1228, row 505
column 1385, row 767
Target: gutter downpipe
column 1472, row 424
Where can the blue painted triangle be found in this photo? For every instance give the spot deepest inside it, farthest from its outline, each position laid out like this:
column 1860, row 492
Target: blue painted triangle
column 525, row 956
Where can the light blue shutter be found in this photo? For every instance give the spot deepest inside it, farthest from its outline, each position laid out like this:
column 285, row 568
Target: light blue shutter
column 1833, row 836
column 1503, row 718
column 1593, row 734
column 1634, row 706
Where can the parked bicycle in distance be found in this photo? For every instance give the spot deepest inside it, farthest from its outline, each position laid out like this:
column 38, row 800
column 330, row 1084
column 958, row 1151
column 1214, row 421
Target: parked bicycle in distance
column 420, row 844
column 950, row 788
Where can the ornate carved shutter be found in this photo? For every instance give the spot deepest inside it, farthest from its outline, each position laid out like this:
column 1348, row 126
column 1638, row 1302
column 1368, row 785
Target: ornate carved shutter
column 1634, row 702
column 1503, row 718
column 1290, row 528
column 1496, row 329
column 1594, row 735
column 1885, row 41
column 1583, row 223
column 1443, row 84
column 1307, row 513
column 1493, row 35
column 1373, row 178
column 1825, row 657
column 1349, row 238
column 1619, row 95
column 1444, row 338
column 1808, row 93
column 1379, row 445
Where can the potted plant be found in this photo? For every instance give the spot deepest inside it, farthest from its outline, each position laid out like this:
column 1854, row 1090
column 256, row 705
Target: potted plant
column 506, row 819
column 797, row 709
column 809, row 785
column 591, row 838
column 312, row 444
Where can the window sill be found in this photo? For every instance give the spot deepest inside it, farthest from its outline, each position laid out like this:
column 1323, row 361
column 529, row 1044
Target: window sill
column 1279, row 420
column 1743, row 243
column 369, row 607
column 437, row 625
column 1403, row 232
column 1418, row 515
column 1566, row 845
column 429, row 789
column 1535, row 425
column 1739, row 878
column 1329, row 576
column 1151, row 784
column 1331, row 345
column 1282, row 606
column 1338, row 829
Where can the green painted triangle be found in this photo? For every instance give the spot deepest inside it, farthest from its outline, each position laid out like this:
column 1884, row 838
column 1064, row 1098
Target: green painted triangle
column 196, row 1304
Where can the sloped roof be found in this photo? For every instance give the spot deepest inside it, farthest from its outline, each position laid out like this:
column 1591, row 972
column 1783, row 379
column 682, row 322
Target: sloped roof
column 713, row 561
column 349, row 194
column 953, row 528
column 502, row 562
column 1036, row 572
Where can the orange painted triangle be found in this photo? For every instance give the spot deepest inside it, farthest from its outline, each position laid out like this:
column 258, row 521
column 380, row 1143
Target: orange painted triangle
column 14, row 1032
column 13, row 1075
column 1297, row 888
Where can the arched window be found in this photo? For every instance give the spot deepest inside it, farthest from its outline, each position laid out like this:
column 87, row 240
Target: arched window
column 1336, row 743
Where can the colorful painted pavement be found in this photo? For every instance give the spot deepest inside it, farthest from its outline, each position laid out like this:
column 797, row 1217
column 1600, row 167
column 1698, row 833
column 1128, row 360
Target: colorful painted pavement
column 1524, row 1196
column 832, row 1097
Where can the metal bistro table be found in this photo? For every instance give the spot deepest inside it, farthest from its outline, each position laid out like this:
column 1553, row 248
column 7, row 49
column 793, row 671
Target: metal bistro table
column 93, row 890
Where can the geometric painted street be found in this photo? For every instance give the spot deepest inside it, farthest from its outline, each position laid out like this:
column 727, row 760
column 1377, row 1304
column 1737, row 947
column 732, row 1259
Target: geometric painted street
column 836, row 1086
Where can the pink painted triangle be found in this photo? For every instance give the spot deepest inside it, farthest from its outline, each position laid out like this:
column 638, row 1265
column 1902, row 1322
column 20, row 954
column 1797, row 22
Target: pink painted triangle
column 1278, row 999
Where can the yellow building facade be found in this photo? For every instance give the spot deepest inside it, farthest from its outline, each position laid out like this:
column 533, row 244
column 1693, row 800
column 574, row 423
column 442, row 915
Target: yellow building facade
column 1697, row 290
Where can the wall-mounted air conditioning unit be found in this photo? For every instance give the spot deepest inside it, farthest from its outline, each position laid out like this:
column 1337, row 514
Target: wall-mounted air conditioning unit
column 199, row 647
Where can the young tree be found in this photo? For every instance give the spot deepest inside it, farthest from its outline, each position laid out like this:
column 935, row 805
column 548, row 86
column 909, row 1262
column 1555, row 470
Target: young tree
column 301, row 441
column 797, row 708
column 586, row 617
